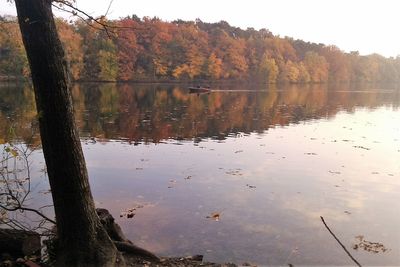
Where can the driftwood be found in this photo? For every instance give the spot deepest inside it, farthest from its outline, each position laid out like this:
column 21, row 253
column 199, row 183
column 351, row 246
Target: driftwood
column 19, row 243
column 120, row 241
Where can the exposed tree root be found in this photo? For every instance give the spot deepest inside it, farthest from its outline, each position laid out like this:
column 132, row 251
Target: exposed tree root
column 120, row 241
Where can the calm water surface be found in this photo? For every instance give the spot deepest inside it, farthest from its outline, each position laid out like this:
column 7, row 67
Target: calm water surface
column 269, row 162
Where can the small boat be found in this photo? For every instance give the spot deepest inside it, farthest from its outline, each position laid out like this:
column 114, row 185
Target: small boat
column 199, row 89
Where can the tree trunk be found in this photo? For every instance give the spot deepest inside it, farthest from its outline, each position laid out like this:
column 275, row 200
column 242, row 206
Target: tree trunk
column 82, row 239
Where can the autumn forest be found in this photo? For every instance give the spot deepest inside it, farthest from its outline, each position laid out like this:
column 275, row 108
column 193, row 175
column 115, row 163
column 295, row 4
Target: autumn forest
column 149, row 49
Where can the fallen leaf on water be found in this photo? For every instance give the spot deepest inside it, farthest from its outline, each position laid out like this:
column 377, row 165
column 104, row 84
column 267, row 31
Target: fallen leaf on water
column 130, row 212
column 234, row 172
column 215, row 216
column 347, row 140
column 171, row 183
column 362, row 147
column 368, row 246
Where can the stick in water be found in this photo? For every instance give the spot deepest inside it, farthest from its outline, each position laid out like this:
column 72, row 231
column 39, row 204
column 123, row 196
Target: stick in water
column 340, row 243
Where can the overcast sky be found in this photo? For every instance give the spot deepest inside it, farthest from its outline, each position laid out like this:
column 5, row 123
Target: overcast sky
column 369, row 26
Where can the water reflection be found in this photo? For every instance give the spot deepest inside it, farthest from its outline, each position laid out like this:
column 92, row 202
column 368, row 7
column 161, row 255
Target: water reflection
column 336, row 155
column 152, row 113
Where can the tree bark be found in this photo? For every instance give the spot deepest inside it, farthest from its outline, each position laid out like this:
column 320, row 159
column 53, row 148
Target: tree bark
column 82, row 239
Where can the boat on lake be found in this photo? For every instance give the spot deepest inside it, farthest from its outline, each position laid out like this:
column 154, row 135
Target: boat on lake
column 199, row 89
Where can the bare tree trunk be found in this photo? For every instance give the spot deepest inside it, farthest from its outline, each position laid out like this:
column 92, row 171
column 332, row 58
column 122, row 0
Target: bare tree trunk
column 82, row 239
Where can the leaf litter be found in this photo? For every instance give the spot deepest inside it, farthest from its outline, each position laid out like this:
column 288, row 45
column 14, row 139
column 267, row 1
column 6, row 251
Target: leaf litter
column 368, row 246
column 129, row 213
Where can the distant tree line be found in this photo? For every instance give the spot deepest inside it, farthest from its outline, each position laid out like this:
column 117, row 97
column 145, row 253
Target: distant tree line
column 136, row 49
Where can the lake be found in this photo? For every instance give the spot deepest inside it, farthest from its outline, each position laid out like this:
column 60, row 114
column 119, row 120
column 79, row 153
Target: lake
column 241, row 174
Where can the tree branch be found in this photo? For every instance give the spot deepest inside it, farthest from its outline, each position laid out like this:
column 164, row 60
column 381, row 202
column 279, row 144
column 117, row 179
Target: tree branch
column 76, row 12
column 340, row 243
column 18, row 207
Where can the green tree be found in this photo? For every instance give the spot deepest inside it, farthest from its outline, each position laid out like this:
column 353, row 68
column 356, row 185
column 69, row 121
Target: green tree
column 268, row 69
column 108, row 61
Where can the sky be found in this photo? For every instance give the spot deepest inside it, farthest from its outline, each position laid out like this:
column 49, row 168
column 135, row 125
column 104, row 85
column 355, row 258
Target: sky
column 367, row 26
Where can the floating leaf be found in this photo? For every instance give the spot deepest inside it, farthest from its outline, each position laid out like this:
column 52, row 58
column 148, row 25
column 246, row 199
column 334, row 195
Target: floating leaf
column 368, row 246
column 130, row 212
column 362, row 147
column 215, row 216
column 171, row 183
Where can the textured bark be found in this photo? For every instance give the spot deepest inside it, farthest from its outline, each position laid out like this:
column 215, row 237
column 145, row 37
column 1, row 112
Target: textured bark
column 82, row 239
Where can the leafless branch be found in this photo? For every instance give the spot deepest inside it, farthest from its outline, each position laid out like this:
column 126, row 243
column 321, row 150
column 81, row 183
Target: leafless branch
column 81, row 14
column 87, row 18
column 108, row 9
column 340, row 243
column 16, row 188
column 20, row 208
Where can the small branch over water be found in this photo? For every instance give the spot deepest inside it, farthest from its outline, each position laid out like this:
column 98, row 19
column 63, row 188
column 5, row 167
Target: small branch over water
column 340, row 243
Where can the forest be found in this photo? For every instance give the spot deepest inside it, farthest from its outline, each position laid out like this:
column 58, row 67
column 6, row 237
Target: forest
column 150, row 49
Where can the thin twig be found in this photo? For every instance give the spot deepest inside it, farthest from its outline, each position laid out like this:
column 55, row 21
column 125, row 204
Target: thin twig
column 108, row 9
column 340, row 243
column 80, row 17
column 106, row 27
column 20, row 208
column 75, row 11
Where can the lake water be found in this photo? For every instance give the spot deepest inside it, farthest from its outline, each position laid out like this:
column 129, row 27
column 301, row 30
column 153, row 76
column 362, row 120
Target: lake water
column 242, row 174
